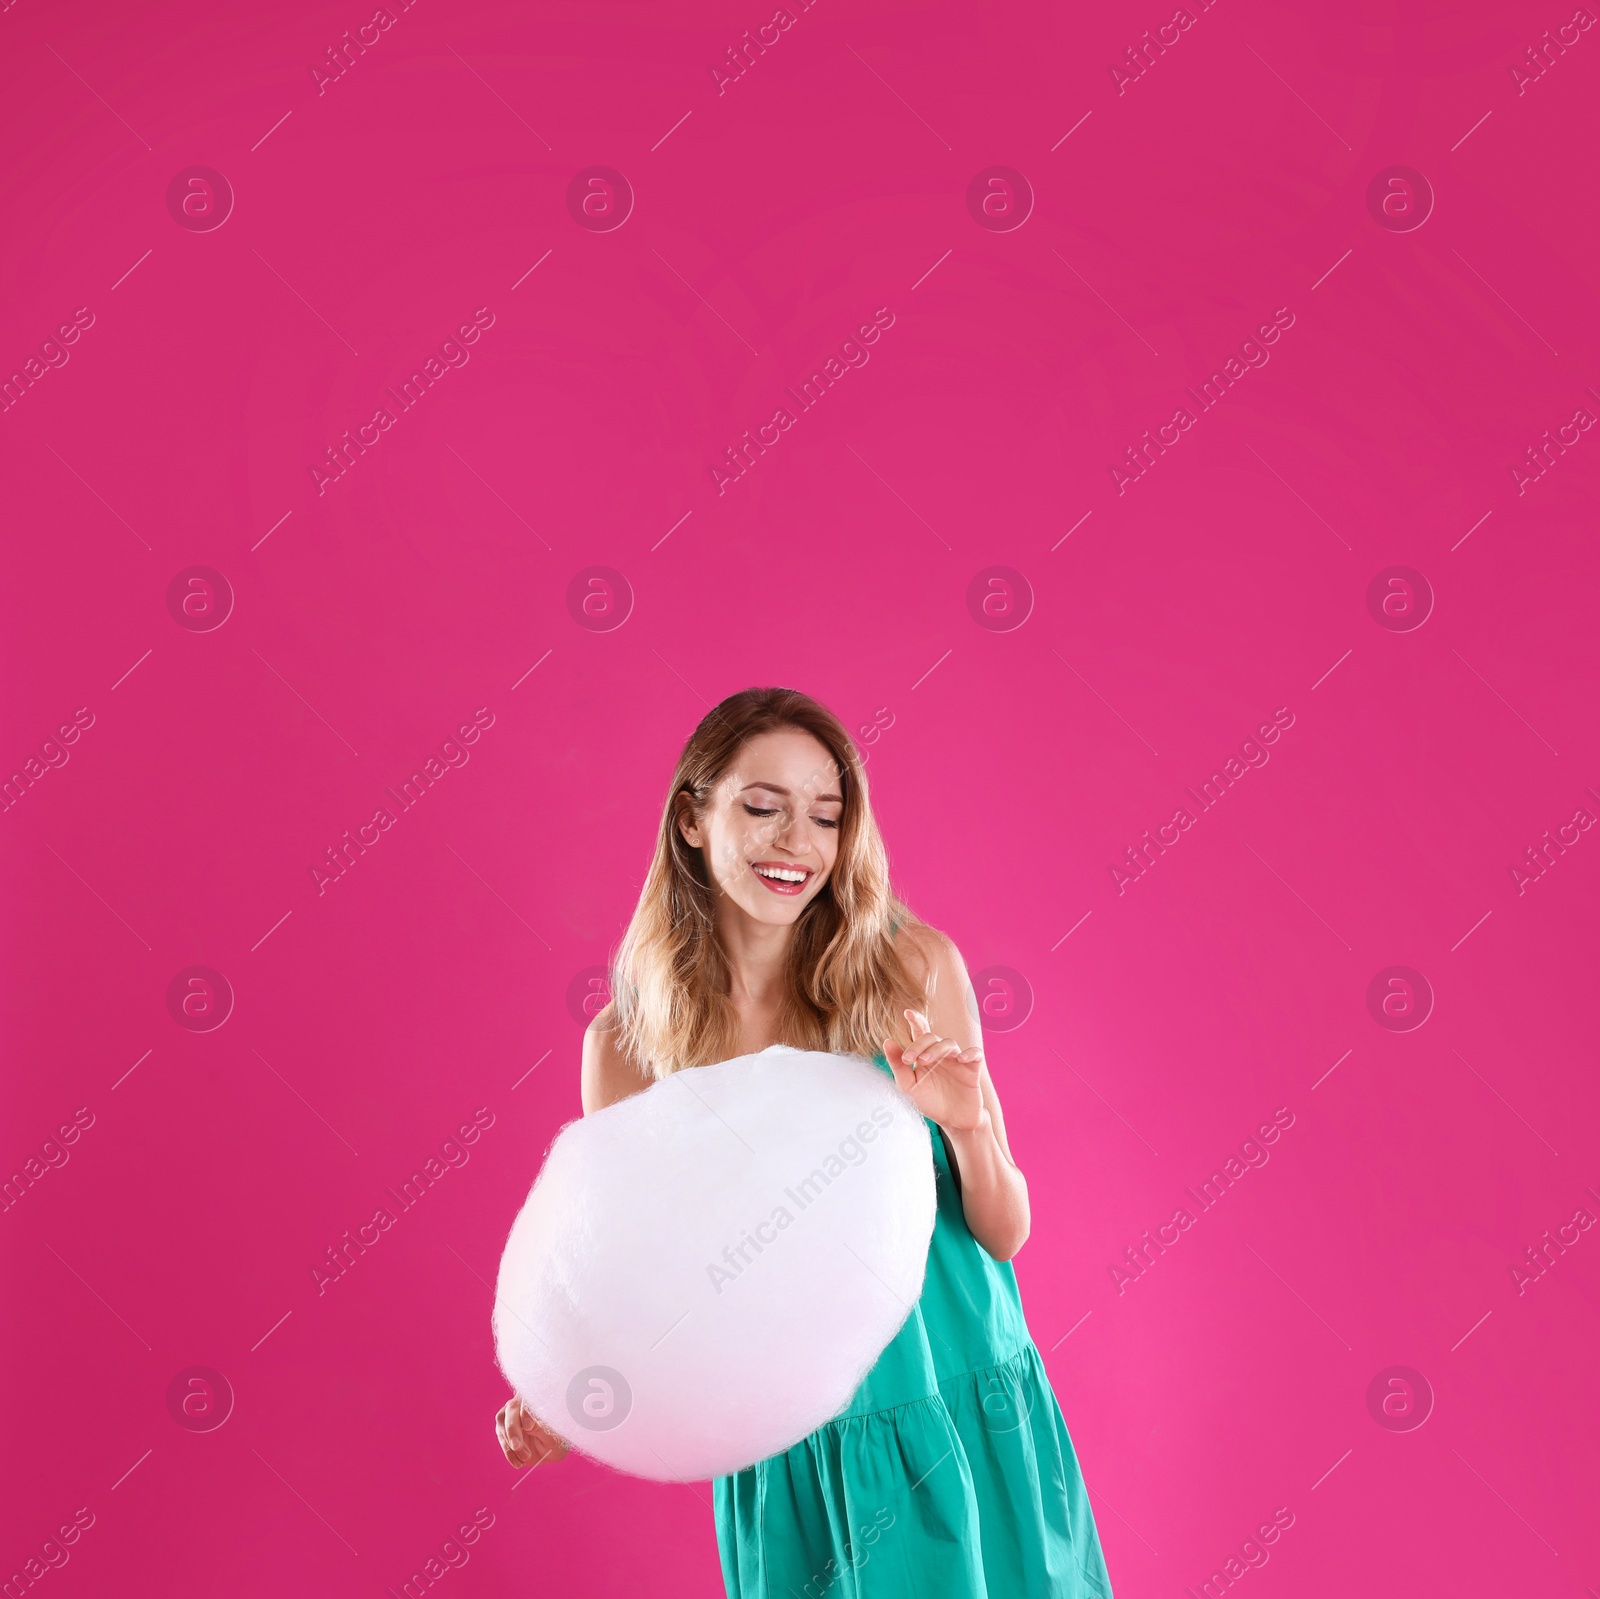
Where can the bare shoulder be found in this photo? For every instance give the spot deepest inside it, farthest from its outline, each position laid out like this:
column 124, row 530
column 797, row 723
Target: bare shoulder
column 938, row 965
column 608, row 1075
column 932, row 954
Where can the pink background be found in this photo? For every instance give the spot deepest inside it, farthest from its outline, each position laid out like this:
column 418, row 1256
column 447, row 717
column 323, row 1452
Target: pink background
column 1012, row 765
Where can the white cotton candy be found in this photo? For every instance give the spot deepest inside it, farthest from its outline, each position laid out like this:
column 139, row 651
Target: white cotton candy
column 705, row 1271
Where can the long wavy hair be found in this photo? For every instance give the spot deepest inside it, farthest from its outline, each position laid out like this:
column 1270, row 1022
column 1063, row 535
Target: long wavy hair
column 846, row 978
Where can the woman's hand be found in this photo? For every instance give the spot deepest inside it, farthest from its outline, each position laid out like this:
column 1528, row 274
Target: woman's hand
column 942, row 1079
column 525, row 1442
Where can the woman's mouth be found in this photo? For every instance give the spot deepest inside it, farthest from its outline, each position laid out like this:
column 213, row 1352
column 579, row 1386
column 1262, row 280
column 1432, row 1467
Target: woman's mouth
column 782, row 879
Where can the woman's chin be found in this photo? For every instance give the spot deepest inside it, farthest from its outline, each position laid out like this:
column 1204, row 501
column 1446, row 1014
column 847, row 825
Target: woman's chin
column 772, row 909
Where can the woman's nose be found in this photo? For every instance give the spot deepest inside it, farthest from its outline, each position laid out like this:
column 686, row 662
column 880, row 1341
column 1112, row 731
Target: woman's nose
column 786, row 831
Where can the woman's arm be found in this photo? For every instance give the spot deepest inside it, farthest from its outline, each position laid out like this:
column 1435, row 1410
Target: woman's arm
column 607, row 1074
column 957, row 1085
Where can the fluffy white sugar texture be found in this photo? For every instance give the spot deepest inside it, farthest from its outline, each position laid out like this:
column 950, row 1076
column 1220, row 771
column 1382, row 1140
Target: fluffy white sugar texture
column 705, row 1271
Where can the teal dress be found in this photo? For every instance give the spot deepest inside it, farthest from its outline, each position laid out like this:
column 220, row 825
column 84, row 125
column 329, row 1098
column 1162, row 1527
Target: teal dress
column 948, row 1475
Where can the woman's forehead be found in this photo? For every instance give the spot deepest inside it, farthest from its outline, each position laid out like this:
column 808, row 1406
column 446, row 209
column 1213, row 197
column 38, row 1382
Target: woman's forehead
column 786, row 758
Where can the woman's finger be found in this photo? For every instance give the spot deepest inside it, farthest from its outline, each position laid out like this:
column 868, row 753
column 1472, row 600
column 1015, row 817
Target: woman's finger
column 904, row 1076
column 918, row 1024
column 523, row 1429
column 505, row 1440
column 895, row 1053
column 939, row 1051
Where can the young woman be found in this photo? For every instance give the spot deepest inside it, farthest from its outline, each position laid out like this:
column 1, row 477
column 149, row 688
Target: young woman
column 767, row 917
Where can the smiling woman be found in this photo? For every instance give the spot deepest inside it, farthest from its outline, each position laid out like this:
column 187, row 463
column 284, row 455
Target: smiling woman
column 763, row 799
column 770, row 890
column 767, row 921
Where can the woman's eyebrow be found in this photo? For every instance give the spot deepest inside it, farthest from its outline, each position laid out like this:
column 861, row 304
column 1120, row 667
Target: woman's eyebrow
column 778, row 788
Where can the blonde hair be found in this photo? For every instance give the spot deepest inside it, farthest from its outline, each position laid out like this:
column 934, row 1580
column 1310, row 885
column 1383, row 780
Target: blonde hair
column 846, row 978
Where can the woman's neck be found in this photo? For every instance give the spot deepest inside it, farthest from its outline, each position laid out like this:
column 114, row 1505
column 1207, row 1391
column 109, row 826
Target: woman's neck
column 757, row 953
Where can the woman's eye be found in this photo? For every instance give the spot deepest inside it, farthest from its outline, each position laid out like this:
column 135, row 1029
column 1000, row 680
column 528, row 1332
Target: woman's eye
column 821, row 821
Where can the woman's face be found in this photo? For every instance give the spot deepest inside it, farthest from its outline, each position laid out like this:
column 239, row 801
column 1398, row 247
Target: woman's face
column 771, row 833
